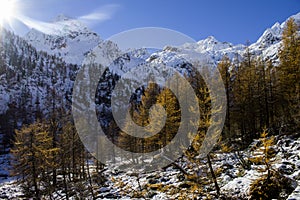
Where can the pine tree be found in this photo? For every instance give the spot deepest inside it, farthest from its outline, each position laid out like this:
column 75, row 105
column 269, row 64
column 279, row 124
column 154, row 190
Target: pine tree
column 70, row 150
column 169, row 102
column 141, row 115
column 202, row 141
column 247, row 97
column 224, row 68
column 33, row 158
column 289, row 72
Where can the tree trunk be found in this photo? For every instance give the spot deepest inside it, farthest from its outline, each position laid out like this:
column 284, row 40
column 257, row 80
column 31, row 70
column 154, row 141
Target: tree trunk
column 65, row 182
column 213, row 175
column 34, row 170
column 89, row 177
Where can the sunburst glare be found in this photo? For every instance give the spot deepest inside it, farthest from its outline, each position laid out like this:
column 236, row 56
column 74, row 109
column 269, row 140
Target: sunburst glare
column 7, row 10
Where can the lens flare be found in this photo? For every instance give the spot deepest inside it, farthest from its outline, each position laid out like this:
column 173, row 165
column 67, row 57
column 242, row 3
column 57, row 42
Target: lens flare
column 7, row 10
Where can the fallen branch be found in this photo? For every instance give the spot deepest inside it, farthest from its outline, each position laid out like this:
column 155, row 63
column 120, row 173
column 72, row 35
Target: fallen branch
column 177, row 166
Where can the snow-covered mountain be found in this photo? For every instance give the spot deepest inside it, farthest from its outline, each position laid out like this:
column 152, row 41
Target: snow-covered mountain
column 71, row 42
column 266, row 46
column 207, row 52
column 210, row 51
column 67, row 38
column 269, row 43
column 30, row 80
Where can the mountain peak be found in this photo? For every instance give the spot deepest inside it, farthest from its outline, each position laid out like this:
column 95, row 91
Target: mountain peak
column 61, row 17
column 64, row 37
column 272, row 36
column 276, row 26
column 211, row 38
column 297, row 18
column 63, row 25
column 212, row 44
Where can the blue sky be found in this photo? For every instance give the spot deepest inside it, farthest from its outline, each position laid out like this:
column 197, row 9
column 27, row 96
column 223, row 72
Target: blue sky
column 235, row 21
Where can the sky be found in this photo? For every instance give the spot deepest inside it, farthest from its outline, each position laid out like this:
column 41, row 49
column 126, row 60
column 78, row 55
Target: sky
column 235, row 21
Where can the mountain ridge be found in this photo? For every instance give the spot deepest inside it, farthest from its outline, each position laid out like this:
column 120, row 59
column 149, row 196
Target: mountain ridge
column 71, row 39
column 71, row 51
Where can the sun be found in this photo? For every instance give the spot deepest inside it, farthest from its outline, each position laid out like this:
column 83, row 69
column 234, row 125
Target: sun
column 7, row 9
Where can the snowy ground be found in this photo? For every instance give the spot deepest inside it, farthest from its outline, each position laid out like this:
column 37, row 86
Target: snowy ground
column 171, row 183
column 234, row 180
column 8, row 188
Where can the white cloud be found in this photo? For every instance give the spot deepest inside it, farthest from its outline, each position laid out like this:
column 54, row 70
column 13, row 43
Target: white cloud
column 101, row 14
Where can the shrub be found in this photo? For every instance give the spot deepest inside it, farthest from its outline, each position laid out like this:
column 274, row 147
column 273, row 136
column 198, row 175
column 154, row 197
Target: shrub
column 271, row 187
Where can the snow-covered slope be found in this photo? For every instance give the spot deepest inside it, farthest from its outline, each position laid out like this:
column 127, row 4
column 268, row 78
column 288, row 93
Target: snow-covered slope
column 66, row 38
column 28, row 76
column 269, row 43
column 266, row 46
column 72, row 40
